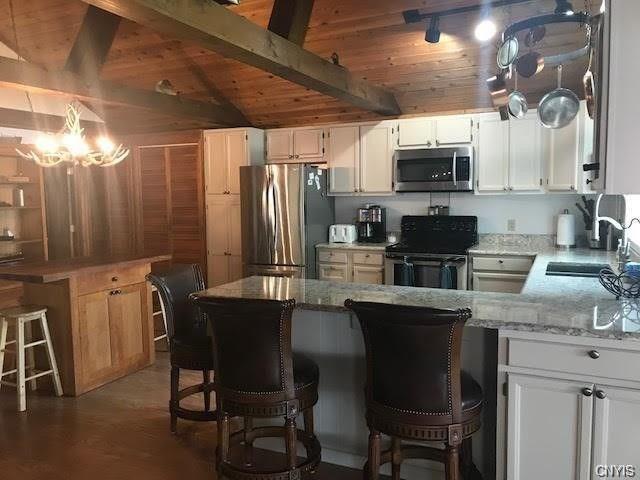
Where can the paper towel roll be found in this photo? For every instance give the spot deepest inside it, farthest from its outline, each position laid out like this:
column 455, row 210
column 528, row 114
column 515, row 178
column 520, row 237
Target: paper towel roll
column 566, row 233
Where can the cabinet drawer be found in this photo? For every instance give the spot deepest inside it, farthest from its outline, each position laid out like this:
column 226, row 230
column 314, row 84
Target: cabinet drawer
column 105, row 280
column 506, row 264
column 332, row 256
column 368, row 258
column 611, row 363
column 333, row 272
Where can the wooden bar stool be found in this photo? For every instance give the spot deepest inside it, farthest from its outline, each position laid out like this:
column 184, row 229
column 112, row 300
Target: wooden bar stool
column 21, row 318
column 415, row 388
column 258, row 376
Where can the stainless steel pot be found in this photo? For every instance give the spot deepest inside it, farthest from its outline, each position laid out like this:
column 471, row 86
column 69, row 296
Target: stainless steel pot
column 517, row 104
column 559, row 107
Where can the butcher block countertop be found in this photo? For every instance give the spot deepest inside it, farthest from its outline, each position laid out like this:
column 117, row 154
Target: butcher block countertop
column 54, row 270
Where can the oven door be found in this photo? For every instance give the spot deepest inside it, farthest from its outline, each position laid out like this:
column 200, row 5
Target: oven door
column 434, row 170
column 448, row 272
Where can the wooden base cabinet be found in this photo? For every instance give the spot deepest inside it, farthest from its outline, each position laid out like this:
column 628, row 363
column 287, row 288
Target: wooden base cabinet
column 350, row 265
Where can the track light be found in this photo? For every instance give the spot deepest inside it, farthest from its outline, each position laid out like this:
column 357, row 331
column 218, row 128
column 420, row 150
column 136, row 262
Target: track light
column 485, row 30
column 433, row 32
column 563, row 7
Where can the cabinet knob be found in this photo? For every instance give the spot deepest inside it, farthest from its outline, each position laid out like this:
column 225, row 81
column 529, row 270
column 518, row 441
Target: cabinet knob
column 601, row 394
column 587, row 391
column 589, row 181
column 428, row 143
column 510, row 188
column 505, row 188
column 366, row 256
column 297, row 156
column 114, row 279
column 595, row 354
column 115, row 292
column 572, row 187
column 500, row 262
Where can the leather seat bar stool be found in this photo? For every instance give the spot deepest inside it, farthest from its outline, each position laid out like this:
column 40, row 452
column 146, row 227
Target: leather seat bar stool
column 415, row 388
column 190, row 346
column 258, row 376
column 21, row 318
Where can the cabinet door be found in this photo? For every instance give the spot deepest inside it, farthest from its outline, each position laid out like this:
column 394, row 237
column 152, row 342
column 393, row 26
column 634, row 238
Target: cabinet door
column 498, row 282
column 344, row 159
column 215, row 166
column 129, row 325
column 616, row 438
column 237, row 156
column 561, row 147
column 235, row 268
column 525, row 154
column 279, row 145
column 333, row 272
column 235, row 224
column 549, row 429
column 366, row 274
column 308, row 144
column 453, row 130
column 218, row 225
column 417, row 132
column 217, row 270
column 493, row 155
column 94, row 337
column 376, row 164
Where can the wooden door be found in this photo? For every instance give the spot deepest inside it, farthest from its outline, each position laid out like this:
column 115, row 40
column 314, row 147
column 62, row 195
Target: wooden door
column 235, row 268
column 453, row 130
column 525, row 154
column 94, row 337
column 279, row 145
column 549, row 428
column 235, row 225
column 616, row 437
column 156, row 199
column 344, row 159
column 218, row 224
column 493, row 155
column 224, row 239
column 308, row 144
column 562, row 150
column 376, row 164
column 237, row 156
column 129, row 325
column 367, row 274
column 215, row 161
column 416, row 133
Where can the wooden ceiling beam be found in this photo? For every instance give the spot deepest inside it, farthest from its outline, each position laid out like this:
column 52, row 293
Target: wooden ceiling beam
column 26, row 76
column 214, row 27
column 290, row 19
column 40, row 121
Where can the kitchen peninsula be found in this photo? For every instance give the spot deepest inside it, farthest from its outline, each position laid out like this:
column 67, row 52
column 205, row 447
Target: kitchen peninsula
column 99, row 312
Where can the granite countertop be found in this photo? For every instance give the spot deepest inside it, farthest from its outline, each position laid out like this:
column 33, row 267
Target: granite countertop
column 355, row 246
column 548, row 304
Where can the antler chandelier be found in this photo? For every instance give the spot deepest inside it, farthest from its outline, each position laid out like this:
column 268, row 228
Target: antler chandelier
column 71, row 146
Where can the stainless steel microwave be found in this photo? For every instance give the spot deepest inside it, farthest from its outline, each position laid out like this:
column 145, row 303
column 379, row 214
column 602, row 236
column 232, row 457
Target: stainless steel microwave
column 434, row 170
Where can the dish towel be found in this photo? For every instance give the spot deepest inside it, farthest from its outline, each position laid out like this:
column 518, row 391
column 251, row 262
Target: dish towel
column 406, row 277
column 446, row 276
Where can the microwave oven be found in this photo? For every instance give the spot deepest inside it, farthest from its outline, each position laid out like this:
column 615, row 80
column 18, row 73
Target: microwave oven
column 434, row 170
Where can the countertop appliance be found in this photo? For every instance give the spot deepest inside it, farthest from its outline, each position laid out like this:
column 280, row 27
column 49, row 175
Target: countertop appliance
column 342, row 233
column 432, row 251
column 434, row 170
column 372, row 224
column 285, row 213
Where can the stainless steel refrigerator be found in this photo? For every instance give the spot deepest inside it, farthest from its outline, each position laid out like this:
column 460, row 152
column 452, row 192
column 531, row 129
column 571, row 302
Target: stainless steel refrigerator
column 285, row 213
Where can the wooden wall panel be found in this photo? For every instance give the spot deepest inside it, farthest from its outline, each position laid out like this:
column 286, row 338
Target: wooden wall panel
column 155, row 200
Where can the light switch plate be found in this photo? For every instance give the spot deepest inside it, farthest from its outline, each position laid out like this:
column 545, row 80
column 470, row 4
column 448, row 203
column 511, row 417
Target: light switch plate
column 511, row 225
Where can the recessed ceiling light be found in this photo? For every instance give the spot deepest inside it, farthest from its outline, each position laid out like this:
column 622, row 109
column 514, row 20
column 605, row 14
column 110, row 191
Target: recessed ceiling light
column 485, row 30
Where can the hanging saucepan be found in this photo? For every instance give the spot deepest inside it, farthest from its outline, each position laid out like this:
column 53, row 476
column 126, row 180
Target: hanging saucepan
column 518, row 106
column 530, row 64
column 559, row 107
column 534, row 35
column 508, row 52
column 588, row 81
column 498, row 89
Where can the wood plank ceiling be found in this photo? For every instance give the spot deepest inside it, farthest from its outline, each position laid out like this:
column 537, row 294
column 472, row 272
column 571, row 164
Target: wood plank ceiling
column 371, row 39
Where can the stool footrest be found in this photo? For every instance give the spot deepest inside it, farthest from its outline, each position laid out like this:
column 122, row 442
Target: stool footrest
column 11, row 384
column 38, row 375
column 9, row 372
column 35, row 344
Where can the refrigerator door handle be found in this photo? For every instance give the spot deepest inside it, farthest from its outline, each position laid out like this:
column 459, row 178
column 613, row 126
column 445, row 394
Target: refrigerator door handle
column 271, row 209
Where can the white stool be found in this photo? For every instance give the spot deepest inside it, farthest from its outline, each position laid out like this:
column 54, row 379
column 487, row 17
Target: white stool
column 21, row 318
column 163, row 335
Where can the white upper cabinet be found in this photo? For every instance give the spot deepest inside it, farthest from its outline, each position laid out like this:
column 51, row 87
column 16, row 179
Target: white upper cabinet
column 376, row 154
column 435, row 131
column 295, row 145
column 525, row 154
column 344, row 161
column 492, row 156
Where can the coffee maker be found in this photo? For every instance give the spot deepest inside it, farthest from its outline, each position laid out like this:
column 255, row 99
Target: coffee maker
column 372, row 224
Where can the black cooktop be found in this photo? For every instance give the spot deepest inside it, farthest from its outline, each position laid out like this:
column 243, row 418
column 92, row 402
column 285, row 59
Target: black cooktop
column 436, row 234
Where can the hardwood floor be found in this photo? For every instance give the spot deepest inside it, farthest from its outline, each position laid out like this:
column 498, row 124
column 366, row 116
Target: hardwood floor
column 120, row 431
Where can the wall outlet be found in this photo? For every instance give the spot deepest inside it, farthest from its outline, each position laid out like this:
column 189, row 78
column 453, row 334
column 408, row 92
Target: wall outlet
column 511, row 225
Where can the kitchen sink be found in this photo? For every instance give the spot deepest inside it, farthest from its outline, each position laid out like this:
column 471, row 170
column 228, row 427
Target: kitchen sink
column 573, row 269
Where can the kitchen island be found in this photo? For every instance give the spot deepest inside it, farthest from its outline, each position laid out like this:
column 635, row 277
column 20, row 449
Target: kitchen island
column 99, row 312
column 539, row 356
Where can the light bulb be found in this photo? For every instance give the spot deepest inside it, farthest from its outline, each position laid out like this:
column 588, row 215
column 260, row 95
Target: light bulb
column 105, row 145
column 46, row 143
column 76, row 145
column 485, row 30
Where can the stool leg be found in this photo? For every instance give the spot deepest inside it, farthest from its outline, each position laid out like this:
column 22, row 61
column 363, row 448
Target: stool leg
column 248, row 441
column 206, row 379
column 396, row 458
column 308, row 421
column 50, row 354
column 373, row 464
column 174, row 403
column 20, row 387
column 30, row 356
column 223, row 437
column 452, row 463
column 290, row 442
column 4, row 325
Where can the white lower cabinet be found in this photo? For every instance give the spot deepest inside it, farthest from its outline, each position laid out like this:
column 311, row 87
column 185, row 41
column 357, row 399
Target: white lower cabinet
column 350, row 265
column 503, row 274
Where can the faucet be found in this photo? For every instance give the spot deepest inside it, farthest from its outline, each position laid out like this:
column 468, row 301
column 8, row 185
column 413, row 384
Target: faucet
column 623, row 249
